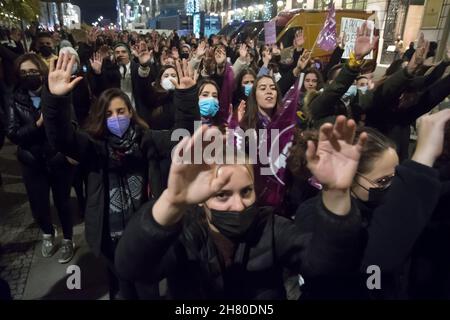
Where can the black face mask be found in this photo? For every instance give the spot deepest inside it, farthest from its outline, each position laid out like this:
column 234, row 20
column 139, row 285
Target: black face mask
column 232, row 224
column 184, row 56
column 376, row 197
column 46, row 51
column 31, row 82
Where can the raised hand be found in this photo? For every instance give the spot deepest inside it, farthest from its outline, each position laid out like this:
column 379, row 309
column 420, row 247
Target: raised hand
column 175, row 54
column 243, row 52
column 201, row 49
column 193, row 183
column 60, row 81
column 335, row 158
column 241, row 110
column 363, row 45
column 93, row 35
column 188, row 77
column 267, row 56
column 304, row 59
column 220, row 56
column 96, row 63
column 156, row 46
column 419, row 55
column 143, row 54
column 430, row 138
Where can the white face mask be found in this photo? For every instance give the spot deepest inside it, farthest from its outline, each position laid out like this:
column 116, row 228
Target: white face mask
column 277, row 76
column 167, row 84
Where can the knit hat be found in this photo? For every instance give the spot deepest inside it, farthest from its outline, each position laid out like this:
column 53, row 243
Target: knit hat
column 122, row 44
column 65, row 43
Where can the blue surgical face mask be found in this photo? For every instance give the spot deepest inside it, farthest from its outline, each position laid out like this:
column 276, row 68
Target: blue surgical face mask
column 208, row 106
column 351, row 92
column 118, row 125
column 247, row 89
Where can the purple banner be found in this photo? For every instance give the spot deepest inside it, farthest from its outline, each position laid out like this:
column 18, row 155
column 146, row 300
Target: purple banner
column 270, row 32
column 326, row 39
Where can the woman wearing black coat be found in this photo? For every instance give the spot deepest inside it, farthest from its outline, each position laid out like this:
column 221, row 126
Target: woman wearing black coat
column 396, row 202
column 207, row 235
column 127, row 163
column 43, row 168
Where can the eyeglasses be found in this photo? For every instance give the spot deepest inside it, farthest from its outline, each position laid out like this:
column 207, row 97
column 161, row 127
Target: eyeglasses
column 383, row 182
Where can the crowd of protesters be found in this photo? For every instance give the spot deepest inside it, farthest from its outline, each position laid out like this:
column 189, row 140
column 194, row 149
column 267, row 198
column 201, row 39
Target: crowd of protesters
column 97, row 110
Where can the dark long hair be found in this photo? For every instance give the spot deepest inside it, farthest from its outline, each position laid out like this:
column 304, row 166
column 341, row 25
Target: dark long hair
column 216, row 119
column 250, row 119
column 33, row 58
column 239, row 93
column 319, row 79
column 96, row 122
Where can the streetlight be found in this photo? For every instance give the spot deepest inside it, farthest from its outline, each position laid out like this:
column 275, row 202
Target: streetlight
column 280, row 3
column 261, row 6
column 147, row 9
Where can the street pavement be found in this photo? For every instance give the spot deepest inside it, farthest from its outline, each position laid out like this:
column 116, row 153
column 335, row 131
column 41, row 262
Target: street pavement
column 29, row 275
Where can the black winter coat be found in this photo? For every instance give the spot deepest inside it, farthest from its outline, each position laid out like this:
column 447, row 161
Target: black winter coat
column 391, row 231
column 328, row 104
column 33, row 147
column 110, row 77
column 187, row 256
column 156, row 147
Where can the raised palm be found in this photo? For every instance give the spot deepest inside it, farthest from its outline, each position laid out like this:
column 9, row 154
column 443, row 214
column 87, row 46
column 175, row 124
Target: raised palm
column 190, row 183
column 60, row 81
column 188, row 77
column 201, row 49
column 97, row 62
column 334, row 161
column 143, row 54
column 220, row 56
column 175, row 54
column 243, row 51
column 267, row 56
column 363, row 44
column 304, row 60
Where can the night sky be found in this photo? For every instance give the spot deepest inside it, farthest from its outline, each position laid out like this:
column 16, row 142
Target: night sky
column 92, row 9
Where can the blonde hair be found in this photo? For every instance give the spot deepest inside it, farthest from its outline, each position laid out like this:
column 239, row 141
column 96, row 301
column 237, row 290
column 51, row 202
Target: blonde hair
column 234, row 157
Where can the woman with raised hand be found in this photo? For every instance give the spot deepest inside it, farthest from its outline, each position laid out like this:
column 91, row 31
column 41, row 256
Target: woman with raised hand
column 43, row 167
column 158, row 100
column 396, row 202
column 124, row 159
column 207, row 235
